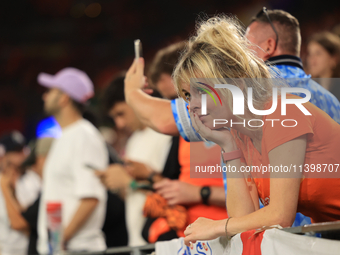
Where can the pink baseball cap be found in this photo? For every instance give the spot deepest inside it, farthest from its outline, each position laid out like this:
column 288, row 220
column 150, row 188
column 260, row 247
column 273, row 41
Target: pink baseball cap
column 72, row 81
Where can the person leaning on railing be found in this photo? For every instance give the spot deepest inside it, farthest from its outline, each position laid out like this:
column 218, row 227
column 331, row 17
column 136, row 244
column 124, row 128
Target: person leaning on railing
column 219, row 50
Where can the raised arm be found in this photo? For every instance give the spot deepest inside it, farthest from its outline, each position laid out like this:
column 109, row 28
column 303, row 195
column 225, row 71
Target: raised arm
column 154, row 112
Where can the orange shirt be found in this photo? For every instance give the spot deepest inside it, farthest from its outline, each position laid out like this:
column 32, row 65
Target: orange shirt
column 199, row 210
column 319, row 198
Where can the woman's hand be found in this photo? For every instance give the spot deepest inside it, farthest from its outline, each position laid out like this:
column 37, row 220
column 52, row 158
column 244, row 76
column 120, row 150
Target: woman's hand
column 204, row 229
column 221, row 136
column 135, row 79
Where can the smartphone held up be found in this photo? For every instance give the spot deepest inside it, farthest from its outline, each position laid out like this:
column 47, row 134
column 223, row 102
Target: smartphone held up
column 138, row 49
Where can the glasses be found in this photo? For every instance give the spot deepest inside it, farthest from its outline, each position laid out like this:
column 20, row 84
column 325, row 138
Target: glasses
column 264, row 11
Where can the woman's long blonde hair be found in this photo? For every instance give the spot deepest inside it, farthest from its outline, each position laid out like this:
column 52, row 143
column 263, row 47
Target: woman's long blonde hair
column 219, row 52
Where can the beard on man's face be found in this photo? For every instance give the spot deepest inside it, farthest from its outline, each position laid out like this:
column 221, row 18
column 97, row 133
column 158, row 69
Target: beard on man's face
column 51, row 111
column 52, row 108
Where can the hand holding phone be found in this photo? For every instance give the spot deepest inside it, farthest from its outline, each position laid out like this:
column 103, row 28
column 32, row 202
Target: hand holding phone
column 135, row 79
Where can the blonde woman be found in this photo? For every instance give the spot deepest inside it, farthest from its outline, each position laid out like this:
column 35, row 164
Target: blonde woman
column 220, row 51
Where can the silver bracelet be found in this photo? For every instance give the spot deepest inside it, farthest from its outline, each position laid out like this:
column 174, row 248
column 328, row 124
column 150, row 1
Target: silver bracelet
column 226, row 224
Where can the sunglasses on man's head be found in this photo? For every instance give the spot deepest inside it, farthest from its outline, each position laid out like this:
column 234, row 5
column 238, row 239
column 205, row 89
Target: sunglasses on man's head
column 264, row 11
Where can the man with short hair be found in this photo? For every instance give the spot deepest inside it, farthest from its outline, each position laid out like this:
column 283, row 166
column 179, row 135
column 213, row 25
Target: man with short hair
column 146, row 154
column 161, row 69
column 68, row 176
column 276, row 39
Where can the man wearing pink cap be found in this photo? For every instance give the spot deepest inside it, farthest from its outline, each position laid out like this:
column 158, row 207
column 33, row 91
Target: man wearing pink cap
column 66, row 175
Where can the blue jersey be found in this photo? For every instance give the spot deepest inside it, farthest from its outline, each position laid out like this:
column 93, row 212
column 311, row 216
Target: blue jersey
column 183, row 122
column 320, row 97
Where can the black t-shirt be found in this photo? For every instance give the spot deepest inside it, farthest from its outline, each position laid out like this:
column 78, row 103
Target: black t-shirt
column 172, row 168
column 114, row 226
column 31, row 216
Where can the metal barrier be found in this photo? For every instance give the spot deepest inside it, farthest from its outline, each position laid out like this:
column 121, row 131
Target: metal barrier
column 327, row 228
column 124, row 250
column 322, row 228
column 139, row 250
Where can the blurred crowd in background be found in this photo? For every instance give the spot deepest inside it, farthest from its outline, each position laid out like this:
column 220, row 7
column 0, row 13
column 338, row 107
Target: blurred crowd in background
column 45, row 36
